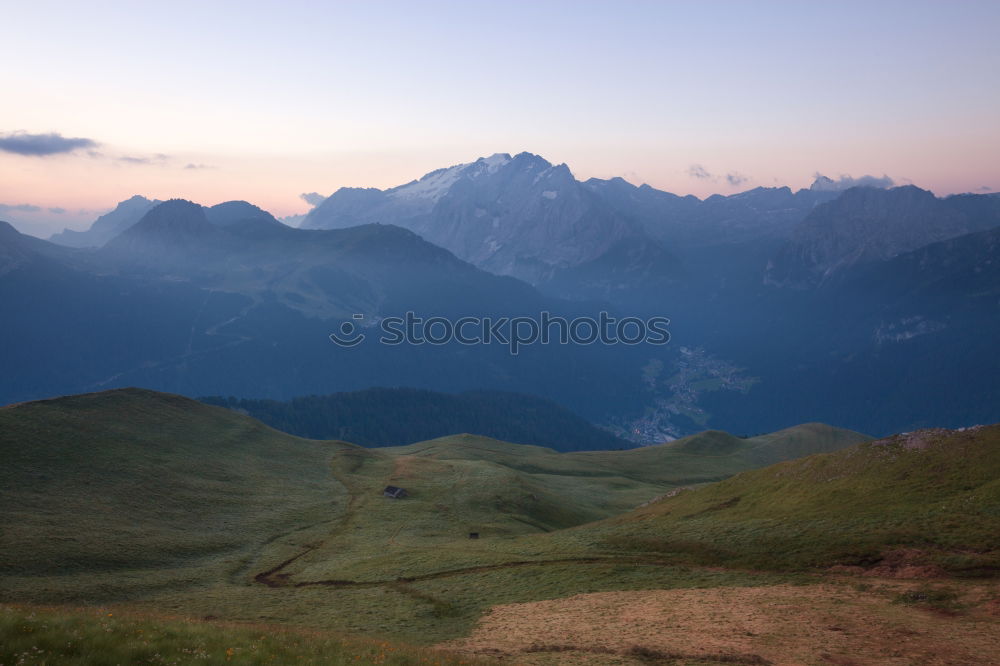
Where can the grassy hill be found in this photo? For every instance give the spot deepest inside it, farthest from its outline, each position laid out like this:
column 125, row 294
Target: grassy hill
column 131, row 489
column 146, row 503
column 928, row 499
column 466, row 484
column 142, row 498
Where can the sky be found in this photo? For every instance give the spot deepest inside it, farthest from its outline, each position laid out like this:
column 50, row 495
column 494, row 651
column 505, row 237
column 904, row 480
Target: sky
column 263, row 101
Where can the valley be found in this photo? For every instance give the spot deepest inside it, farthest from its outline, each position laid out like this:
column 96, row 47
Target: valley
column 500, row 333
column 843, row 306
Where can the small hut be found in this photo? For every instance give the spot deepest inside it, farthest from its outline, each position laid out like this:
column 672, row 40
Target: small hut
column 394, row 492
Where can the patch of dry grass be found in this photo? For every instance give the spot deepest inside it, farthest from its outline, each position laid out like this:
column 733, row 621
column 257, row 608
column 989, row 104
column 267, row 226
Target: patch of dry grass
column 781, row 624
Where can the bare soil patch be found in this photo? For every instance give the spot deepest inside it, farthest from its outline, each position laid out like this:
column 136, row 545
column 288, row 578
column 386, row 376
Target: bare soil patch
column 896, row 563
column 794, row 625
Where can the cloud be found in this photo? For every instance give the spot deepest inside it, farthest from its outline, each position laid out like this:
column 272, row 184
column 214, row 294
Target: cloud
column 192, row 166
column 53, row 143
column 312, row 198
column 734, row 178
column 845, row 182
column 42, row 145
column 699, row 172
column 19, row 208
column 57, row 210
column 985, row 188
column 157, row 159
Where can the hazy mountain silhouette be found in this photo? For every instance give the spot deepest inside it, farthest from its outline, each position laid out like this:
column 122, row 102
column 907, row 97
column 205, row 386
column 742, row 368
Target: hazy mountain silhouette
column 245, row 306
column 865, row 225
column 107, row 226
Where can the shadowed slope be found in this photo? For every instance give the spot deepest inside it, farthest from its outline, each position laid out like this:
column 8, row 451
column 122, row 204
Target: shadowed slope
column 397, row 416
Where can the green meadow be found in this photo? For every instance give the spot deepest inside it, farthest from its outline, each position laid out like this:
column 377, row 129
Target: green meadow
column 155, row 505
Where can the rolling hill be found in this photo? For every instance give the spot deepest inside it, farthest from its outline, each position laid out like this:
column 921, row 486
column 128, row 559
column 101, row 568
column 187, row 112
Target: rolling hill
column 135, row 489
column 156, row 503
column 928, row 499
column 125, row 491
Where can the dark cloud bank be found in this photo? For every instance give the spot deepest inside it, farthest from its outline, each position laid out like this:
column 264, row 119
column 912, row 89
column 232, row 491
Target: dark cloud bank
column 42, row 145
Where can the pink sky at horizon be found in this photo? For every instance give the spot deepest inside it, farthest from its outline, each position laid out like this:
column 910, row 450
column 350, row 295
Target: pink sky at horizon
column 275, row 183
column 276, row 99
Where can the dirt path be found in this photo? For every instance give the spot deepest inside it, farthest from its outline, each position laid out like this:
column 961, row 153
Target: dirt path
column 273, row 578
column 782, row 625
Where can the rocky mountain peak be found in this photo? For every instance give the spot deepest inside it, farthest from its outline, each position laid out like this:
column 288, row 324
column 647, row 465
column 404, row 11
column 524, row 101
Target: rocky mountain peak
column 107, row 226
column 519, row 216
column 864, row 225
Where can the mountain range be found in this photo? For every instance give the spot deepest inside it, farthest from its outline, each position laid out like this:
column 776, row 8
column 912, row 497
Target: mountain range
column 228, row 301
column 872, row 307
column 525, row 217
column 866, row 226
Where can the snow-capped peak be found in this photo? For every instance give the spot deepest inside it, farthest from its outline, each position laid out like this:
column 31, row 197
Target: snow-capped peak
column 432, row 186
column 495, row 161
column 437, row 183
